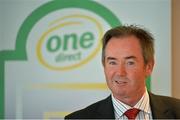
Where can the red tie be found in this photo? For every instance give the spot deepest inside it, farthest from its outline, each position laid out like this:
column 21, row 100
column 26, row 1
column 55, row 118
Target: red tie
column 132, row 113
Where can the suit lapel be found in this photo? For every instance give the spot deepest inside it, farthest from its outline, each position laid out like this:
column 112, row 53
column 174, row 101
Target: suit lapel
column 106, row 109
column 159, row 108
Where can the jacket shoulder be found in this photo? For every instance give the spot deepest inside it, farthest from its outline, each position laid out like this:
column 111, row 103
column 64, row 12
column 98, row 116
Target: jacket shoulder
column 167, row 105
column 90, row 112
column 168, row 101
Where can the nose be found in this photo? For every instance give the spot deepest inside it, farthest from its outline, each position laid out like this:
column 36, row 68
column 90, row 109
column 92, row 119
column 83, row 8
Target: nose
column 121, row 70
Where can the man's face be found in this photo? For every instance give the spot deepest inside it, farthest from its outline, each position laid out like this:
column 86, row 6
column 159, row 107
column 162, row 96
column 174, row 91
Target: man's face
column 124, row 67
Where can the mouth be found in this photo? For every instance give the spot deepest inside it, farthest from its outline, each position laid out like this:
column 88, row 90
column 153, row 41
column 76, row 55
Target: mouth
column 120, row 82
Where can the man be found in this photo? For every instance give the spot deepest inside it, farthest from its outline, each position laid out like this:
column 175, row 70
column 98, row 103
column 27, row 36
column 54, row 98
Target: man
column 128, row 59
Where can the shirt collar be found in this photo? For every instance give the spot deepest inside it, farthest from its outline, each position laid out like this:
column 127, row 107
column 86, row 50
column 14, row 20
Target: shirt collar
column 143, row 105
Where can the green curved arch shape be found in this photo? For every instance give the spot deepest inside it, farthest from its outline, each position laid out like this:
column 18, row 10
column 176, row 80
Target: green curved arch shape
column 20, row 48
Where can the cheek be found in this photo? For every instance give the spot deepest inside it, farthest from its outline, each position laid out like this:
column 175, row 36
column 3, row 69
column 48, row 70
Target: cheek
column 137, row 74
column 108, row 73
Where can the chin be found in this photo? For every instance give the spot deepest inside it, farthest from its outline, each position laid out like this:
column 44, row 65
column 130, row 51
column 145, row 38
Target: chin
column 119, row 93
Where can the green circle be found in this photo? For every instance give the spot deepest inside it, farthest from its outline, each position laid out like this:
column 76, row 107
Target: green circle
column 49, row 7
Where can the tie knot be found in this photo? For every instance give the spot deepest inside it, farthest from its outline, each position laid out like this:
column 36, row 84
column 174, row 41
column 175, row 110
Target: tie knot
column 132, row 113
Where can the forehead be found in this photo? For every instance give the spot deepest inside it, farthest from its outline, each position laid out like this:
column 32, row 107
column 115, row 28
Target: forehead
column 123, row 47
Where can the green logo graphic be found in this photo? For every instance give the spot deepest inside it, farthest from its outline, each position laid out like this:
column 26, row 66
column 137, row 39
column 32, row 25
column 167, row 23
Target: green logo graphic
column 62, row 47
column 54, row 43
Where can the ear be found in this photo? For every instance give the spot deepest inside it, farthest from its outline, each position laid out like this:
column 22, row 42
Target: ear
column 149, row 67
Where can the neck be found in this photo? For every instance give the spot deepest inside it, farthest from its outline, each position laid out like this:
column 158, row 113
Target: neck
column 133, row 99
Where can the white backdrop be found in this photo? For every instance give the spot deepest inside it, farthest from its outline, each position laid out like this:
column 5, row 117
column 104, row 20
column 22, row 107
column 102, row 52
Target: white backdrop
column 33, row 90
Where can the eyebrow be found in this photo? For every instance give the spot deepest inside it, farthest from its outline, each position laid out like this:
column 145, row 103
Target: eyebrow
column 128, row 57
column 111, row 58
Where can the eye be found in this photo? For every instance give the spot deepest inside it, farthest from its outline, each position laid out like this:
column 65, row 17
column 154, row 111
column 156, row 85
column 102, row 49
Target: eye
column 112, row 63
column 130, row 63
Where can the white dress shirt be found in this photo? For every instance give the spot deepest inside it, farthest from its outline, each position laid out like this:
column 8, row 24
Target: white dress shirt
column 143, row 105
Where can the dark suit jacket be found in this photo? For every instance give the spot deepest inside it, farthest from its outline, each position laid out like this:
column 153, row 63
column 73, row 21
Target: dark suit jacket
column 162, row 108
